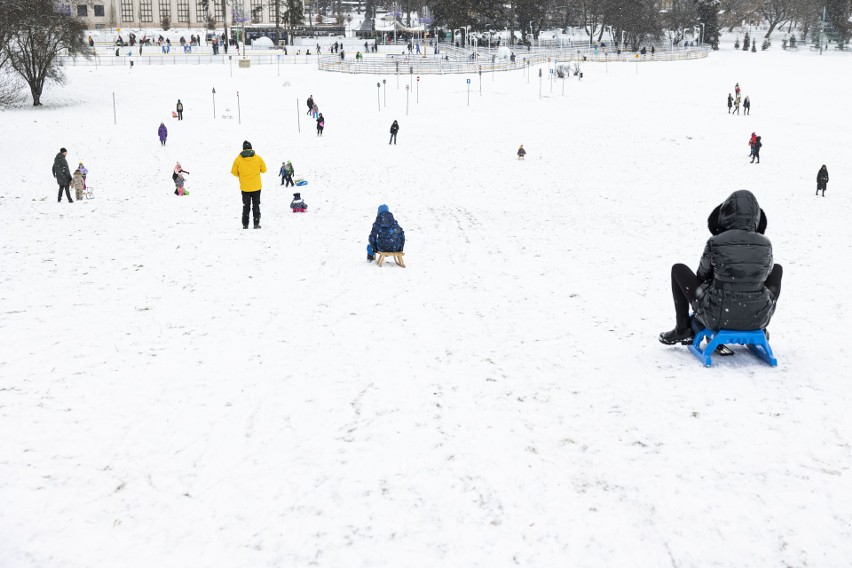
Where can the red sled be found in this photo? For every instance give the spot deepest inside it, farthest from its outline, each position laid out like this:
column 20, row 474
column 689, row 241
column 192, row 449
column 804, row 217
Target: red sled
column 300, row 210
column 174, row 114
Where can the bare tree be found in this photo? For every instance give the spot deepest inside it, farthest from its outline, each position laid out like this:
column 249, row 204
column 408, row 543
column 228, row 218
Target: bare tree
column 38, row 33
column 776, row 12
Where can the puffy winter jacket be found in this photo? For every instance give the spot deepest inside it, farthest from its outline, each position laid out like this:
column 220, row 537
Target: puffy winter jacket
column 733, row 269
column 60, row 169
column 387, row 235
column 248, row 166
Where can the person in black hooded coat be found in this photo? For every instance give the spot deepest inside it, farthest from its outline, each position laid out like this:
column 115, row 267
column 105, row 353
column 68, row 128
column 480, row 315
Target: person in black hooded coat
column 737, row 284
column 822, row 180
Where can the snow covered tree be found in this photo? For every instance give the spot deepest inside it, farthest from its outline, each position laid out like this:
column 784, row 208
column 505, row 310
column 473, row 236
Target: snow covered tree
column 839, row 13
column 746, row 42
column 708, row 14
column 765, row 45
column 776, row 12
column 36, row 33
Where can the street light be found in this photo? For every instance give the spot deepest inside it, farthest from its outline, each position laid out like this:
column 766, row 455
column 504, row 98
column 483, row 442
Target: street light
column 701, row 40
column 379, row 95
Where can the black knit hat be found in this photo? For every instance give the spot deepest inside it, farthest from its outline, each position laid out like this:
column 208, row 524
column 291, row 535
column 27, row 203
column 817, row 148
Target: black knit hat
column 246, row 145
column 62, row 150
column 297, row 196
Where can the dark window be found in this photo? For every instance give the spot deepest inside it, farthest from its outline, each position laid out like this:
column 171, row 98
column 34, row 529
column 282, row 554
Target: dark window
column 146, row 11
column 217, row 11
column 165, row 9
column 126, row 10
column 256, row 11
column 183, row 10
column 99, row 10
column 200, row 11
column 273, row 9
column 82, row 11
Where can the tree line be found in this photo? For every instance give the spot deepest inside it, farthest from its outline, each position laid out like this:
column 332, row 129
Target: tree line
column 641, row 20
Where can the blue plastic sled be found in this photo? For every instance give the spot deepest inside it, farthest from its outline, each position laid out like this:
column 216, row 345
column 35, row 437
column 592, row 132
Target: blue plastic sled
column 301, row 182
column 756, row 341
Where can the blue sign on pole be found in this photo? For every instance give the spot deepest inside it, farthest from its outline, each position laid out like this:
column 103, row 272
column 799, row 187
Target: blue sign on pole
column 468, row 81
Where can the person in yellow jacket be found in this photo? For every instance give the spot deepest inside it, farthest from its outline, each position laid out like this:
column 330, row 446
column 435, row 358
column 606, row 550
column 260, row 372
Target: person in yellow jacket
column 248, row 166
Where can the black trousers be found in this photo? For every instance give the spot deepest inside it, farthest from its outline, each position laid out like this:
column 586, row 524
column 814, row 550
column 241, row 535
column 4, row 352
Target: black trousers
column 289, row 180
column 65, row 187
column 251, row 200
column 392, row 138
column 180, row 115
column 685, row 283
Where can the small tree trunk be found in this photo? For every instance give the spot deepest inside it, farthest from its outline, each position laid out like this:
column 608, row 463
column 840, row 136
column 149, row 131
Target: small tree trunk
column 35, row 90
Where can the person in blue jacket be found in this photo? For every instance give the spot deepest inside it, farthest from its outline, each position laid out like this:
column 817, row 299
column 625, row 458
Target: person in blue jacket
column 386, row 236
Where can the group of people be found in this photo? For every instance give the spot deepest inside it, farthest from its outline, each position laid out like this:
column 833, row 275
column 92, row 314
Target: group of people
column 313, row 111
column 385, row 236
column 66, row 180
column 734, row 102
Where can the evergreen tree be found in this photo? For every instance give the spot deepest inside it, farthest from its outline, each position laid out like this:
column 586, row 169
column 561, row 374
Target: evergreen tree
column 708, row 14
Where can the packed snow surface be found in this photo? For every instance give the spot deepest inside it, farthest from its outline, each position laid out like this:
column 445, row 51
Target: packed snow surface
column 176, row 391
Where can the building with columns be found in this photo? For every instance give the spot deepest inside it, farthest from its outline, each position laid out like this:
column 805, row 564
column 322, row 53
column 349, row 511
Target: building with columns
column 141, row 14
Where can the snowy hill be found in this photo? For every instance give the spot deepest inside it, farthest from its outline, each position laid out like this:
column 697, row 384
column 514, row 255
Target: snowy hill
column 176, row 391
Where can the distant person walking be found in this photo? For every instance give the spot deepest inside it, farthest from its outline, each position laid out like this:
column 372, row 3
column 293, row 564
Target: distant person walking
column 179, row 110
column 730, row 103
column 320, row 124
column 822, row 180
column 736, row 105
column 521, row 152
column 393, row 130
column 310, row 104
column 248, row 166
column 755, row 150
column 163, row 133
column 62, row 174
column 746, row 105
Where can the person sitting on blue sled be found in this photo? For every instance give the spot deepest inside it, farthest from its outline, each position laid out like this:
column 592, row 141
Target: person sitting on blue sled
column 737, row 284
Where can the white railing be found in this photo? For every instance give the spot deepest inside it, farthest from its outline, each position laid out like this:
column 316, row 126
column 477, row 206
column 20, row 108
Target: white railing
column 457, row 60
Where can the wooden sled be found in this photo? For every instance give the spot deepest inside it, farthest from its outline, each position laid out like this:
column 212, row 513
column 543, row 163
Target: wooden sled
column 397, row 258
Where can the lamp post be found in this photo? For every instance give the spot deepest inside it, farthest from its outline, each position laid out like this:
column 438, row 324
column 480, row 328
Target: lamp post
column 532, row 38
column 214, row 102
column 385, row 85
column 379, row 95
column 406, row 99
column 701, row 40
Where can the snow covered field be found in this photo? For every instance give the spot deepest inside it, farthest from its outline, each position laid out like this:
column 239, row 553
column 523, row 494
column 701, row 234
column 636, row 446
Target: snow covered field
column 176, row 391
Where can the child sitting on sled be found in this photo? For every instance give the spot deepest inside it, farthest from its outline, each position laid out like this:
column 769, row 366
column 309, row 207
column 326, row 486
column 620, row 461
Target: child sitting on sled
column 297, row 205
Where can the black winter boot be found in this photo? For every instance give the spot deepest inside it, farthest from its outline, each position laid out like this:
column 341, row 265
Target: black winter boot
column 677, row 336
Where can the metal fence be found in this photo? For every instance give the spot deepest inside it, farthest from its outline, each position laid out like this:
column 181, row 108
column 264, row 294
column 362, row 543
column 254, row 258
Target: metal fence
column 448, row 60
column 188, row 59
column 458, row 60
